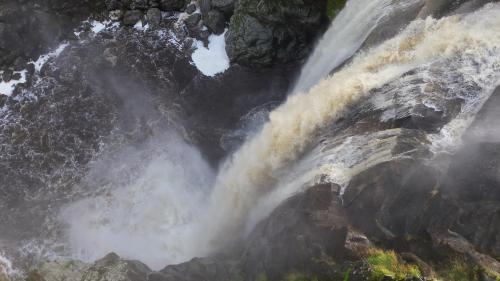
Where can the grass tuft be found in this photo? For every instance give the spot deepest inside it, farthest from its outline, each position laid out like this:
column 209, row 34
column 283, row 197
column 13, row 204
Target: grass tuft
column 386, row 264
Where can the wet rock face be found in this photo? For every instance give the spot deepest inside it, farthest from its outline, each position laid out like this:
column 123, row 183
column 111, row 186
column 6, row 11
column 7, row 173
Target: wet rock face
column 28, row 28
column 265, row 32
column 109, row 268
column 314, row 223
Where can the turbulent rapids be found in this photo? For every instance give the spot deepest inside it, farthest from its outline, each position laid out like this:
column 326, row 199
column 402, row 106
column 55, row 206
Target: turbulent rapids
column 146, row 192
column 255, row 169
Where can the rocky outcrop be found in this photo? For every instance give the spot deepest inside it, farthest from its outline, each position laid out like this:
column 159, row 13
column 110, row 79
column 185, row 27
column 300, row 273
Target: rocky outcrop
column 28, row 28
column 109, row 268
column 262, row 33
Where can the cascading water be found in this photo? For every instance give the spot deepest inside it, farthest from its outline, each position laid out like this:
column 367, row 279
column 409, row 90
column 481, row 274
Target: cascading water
column 346, row 34
column 261, row 163
column 283, row 157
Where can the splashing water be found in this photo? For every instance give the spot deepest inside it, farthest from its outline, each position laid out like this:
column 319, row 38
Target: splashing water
column 344, row 37
column 255, row 169
column 169, row 220
column 146, row 205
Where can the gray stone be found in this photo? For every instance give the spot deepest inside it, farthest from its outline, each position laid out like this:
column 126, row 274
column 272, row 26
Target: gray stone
column 113, row 268
column 113, row 5
column 225, row 6
column 250, row 43
column 289, row 29
column 153, row 16
column 171, row 5
column 215, row 21
column 7, row 75
column 192, row 20
column 139, row 4
column 191, row 8
column 131, row 17
column 116, row 15
column 154, row 4
column 205, row 6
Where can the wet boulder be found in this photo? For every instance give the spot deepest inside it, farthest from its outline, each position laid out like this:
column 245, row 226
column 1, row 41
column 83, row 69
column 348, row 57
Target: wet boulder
column 308, row 226
column 265, row 32
column 131, row 17
column 215, row 22
column 171, row 5
column 209, row 269
column 153, row 16
column 225, row 6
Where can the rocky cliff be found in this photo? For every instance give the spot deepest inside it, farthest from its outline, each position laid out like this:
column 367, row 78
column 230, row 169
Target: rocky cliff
column 404, row 208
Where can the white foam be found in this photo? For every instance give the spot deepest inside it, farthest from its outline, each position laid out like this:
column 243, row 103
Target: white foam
column 212, row 60
column 98, row 26
column 7, row 88
column 6, row 266
column 255, row 170
column 149, row 216
column 44, row 58
column 140, row 27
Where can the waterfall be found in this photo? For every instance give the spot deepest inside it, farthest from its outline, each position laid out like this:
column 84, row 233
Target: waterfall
column 169, row 219
column 256, row 168
column 345, row 35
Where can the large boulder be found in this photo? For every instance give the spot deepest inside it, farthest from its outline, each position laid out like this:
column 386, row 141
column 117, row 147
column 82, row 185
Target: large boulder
column 265, row 32
column 215, row 22
column 131, row 17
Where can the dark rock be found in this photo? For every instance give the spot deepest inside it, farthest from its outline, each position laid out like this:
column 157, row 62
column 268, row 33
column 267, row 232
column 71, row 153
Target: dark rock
column 19, row 64
column 116, row 15
column 139, row 5
column 205, row 6
column 29, row 28
column 208, row 269
column 16, row 76
column 215, row 21
column 113, row 5
column 153, row 16
column 225, row 6
column 251, row 43
column 3, row 99
column 193, row 20
column 112, row 267
column 131, row 17
column 264, row 32
column 313, row 222
column 203, row 36
column 191, row 8
column 171, row 5
column 7, row 75
column 154, row 3
column 30, row 68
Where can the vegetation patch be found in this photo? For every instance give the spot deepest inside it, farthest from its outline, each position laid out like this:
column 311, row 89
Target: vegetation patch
column 387, row 264
column 333, row 7
column 459, row 270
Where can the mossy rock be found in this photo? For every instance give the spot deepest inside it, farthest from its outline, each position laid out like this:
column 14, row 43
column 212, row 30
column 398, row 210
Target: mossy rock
column 387, row 265
column 333, row 7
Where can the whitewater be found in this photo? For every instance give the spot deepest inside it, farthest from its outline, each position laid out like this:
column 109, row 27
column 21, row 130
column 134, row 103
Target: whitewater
column 168, row 215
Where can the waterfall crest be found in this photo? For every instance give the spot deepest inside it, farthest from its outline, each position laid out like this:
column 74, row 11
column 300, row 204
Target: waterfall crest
column 343, row 38
column 255, row 169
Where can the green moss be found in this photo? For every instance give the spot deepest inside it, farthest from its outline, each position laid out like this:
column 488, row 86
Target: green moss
column 491, row 274
column 458, row 270
column 385, row 264
column 333, row 7
column 347, row 274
